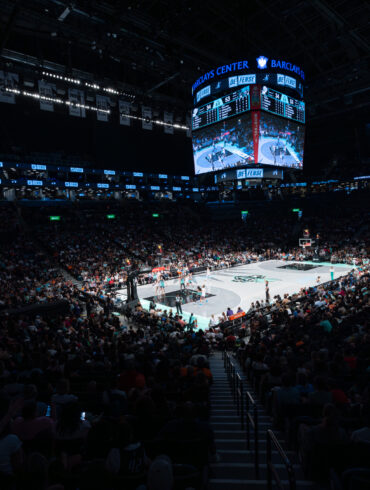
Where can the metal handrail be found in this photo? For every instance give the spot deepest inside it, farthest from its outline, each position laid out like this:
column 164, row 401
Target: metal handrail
column 271, row 470
column 252, row 420
column 233, row 381
column 236, row 385
column 240, row 400
column 226, row 362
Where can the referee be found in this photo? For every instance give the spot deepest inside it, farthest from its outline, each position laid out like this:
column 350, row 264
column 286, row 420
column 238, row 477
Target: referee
column 178, row 304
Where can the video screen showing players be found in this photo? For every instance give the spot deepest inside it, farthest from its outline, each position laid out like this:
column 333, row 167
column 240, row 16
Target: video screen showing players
column 223, row 145
column 281, row 142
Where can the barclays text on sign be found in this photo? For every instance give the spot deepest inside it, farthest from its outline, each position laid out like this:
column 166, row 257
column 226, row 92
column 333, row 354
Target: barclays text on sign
column 261, row 63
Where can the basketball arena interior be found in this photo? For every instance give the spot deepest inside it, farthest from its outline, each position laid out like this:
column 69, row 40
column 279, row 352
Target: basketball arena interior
column 184, row 245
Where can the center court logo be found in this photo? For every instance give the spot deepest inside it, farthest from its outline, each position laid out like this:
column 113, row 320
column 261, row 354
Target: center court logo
column 254, row 278
column 262, row 62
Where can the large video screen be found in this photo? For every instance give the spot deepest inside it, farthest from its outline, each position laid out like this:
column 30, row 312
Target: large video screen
column 282, row 105
column 281, row 142
column 223, row 145
column 219, row 109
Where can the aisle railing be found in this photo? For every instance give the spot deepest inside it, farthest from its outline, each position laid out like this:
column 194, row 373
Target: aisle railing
column 246, row 407
column 271, row 470
column 252, row 421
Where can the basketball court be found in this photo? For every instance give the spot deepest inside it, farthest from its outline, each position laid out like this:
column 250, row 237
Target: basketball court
column 274, row 152
column 219, row 157
column 239, row 286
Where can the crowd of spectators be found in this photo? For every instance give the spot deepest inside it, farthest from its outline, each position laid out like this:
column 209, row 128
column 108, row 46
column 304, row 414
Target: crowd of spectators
column 98, row 253
column 98, row 401
column 309, row 359
column 89, row 399
column 28, row 275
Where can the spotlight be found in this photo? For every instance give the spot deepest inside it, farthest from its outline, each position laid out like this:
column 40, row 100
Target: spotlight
column 37, row 96
column 64, row 14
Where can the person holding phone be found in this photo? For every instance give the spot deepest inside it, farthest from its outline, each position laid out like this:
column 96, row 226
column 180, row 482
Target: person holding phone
column 29, row 426
column 11, row 454
column 71, row 424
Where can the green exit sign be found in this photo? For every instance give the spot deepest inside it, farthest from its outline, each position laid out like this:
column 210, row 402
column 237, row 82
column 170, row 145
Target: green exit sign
column 111, row 216
column 155, row 215
column 244, row 213
column 54, row 218
column 295, row 210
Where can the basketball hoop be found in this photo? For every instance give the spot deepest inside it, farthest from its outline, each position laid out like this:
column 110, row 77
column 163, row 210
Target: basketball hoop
column 305, row 242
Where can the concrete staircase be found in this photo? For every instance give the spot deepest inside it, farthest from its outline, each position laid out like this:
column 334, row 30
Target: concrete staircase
column 68, row 277
column 236, row 469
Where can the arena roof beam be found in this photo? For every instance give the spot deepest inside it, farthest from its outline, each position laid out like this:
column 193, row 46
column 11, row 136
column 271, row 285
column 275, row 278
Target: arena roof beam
column 332, row 15
column 163, row 82
column 293, row 38
column 311, row 36
column 147, row 26
column 9, row 26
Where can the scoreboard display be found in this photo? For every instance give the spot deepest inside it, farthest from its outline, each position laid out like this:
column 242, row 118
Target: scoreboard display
column 219, row 109
column 282, row 105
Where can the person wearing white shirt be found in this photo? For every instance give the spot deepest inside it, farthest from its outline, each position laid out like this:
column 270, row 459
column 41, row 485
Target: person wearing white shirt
column 361, row 435
column 212, row 321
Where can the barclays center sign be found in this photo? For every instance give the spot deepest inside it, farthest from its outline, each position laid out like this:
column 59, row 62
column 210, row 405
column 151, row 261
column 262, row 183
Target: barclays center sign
column 260, row 63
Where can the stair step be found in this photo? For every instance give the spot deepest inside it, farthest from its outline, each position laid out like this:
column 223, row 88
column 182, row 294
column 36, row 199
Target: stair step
column 221, row 418
column 235, row 470
column 230, row 443
column 247, row 470
column 245, row 456
column 243, row 484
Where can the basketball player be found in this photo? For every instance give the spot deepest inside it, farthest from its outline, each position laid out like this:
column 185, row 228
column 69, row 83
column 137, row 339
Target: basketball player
column 182, row 283
column 331, row 273
column 161, row 286
column 156, row 285
column 191, row 279
column 203, row 294
column 267, row 294
column 187, row 281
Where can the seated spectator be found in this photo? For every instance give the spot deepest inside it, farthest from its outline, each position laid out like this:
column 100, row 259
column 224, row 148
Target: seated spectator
column 286, row 395
column 327, row 432
column 62, row 396
column 11, row 455
column 127, row 457
column 303, row 386
column 321, row 394
column 30, row 393
column 70, row 426
column 187, row 427
column 363, row 434
column 130, row 377
column 30, row 426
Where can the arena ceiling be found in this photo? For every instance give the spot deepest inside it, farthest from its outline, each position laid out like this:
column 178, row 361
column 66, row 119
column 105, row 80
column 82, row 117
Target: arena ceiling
column 158, row 48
